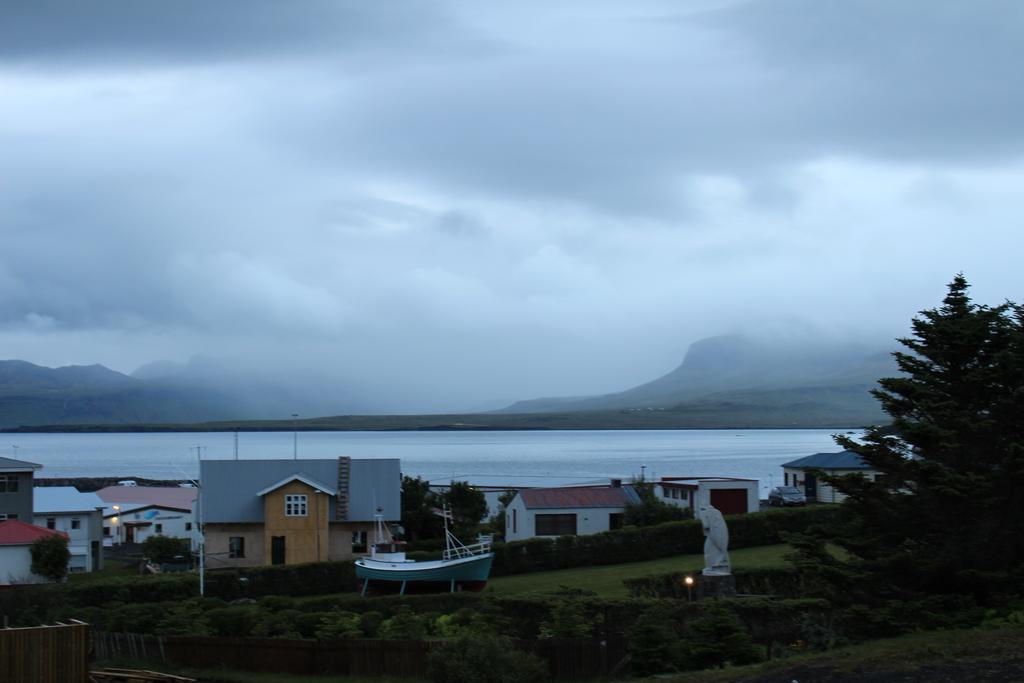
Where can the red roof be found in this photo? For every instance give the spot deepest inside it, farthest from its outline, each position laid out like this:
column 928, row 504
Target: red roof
column 579, row 497
column 16, row 532
column 179, row 497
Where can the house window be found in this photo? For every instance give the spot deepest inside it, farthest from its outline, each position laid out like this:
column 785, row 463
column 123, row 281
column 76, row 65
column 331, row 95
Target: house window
column 615, row 520
column 51, row 522
column 515, row 521
column 106, row 531
column 295, row 505
column 556, row 525
column 786, row 478
column 158, row 528
column 188, row 526
column 8, row 515
column 359, row 541
column 666, row 492
column 76, row 524
column 236, row 546
column 8, row 483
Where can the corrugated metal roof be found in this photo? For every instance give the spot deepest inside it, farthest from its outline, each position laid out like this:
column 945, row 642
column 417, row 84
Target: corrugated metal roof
column 842, row 460
column 167, row 496
column 48, row 499
column 230, row 487
column 16, row 532
column 579, row 497
column 10, row 464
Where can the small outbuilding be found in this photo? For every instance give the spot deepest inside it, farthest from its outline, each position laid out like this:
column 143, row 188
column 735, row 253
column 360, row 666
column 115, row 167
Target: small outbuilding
column 16, row 539
column 568, row 510
column 801, row 474
column 730, row 495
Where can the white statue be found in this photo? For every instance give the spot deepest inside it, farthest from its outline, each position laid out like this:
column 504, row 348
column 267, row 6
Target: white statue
column 716, row 544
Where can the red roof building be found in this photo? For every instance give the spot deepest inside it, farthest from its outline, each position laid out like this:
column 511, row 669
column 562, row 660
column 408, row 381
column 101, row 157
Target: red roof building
column 178, row 497
column 16, row 532
column 579, row 497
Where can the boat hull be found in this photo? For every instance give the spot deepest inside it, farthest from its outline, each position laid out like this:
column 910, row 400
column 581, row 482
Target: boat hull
column 469, row 573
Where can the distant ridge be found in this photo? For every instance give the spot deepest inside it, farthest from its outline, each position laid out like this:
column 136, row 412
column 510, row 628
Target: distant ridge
column 93, row 394
column 741, row 374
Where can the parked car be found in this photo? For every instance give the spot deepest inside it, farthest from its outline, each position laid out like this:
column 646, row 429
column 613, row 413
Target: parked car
column 781, row 496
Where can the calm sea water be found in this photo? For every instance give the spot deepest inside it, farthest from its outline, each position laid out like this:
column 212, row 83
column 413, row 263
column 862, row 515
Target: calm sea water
column 526, row 458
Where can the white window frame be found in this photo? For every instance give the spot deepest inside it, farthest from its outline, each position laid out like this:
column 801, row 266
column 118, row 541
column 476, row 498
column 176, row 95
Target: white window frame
column 296, row 505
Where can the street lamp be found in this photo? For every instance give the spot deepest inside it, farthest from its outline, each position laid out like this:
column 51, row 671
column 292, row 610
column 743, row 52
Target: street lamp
column 295, row 436
column 689, row 587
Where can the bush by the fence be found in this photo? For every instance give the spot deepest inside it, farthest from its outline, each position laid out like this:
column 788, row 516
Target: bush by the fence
column 484, row 659
column 635, row 544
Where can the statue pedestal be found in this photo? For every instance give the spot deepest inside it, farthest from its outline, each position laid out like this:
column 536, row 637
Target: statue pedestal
column 716, row 586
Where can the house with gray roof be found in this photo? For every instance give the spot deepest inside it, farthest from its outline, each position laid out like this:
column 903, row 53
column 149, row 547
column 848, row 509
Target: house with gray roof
column 16, row 479
column 79, row 516
column 568, row 510
column 260, row 512
column 801, row 473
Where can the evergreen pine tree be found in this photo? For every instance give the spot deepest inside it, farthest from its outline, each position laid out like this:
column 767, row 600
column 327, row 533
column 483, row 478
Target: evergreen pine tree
column 947, row 513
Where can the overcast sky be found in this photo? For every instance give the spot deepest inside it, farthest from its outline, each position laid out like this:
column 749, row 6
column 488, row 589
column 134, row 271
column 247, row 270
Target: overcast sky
column 456, row 204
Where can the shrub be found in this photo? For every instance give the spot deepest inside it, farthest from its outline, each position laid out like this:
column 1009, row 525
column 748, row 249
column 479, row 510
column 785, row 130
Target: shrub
column 715, row 639
column 464, row 622
column 161, row 549
column 369, row 623
column 184, row 619
column 484, row 659
column 339, row 624
column 654, row 642
column 234, row 621
column 569, row 619
column 404, row 626
column 50, row 557
column 278, row 625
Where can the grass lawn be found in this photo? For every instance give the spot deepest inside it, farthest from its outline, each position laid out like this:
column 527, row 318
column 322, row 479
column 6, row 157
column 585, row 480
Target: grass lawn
column 606, row 580
column 924, row 657
column 234, row 676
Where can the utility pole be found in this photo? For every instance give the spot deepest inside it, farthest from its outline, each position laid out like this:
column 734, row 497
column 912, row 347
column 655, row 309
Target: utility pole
column 295, row 436
column 202, row 531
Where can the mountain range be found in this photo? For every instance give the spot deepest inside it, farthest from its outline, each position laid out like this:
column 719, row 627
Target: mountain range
column 728, row 381
column 751, row 377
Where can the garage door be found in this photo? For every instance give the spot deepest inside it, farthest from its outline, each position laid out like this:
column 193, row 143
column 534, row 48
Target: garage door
column 729, row 501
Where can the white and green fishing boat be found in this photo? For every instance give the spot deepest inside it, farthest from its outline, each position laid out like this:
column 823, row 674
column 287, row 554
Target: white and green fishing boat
column 461, row 567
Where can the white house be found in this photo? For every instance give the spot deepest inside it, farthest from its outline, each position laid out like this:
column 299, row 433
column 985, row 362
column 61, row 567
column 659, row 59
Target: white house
column 79, row 516
column 134, row 523
column 798, row 473
column 568, row 510
column 134, row 513
column 16, row 539
column 731, row 496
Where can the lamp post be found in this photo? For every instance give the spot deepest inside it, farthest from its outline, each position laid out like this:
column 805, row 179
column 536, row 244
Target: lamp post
column 689, row 587
column 295, row 436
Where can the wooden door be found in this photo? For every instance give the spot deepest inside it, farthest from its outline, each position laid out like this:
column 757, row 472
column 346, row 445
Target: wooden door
column 277, row 550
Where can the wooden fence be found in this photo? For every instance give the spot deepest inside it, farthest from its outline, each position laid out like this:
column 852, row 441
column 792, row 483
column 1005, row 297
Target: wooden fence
column 45, row 654
column 569, row 659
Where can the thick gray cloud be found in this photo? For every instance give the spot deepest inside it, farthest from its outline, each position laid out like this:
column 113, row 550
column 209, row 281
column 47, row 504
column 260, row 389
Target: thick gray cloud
column 451, row 205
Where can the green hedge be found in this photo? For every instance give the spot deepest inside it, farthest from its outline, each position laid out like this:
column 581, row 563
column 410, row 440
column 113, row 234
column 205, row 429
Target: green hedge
column 774, row 582
column 314, row 578
column 636, row 544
